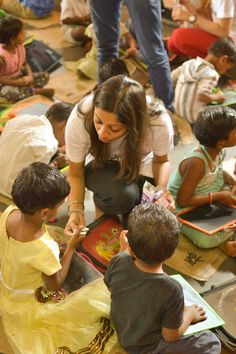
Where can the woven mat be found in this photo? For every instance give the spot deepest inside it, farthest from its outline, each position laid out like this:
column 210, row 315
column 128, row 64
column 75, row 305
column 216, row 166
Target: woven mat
column 197, row 263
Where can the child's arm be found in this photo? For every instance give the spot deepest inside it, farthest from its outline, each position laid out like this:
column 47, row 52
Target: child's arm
column 132, row 50
column 192, row 170
column 175, row 74
column 54, row 282
column 212, row 97
column 192, row 314
column 76, row 20
column 23, row 81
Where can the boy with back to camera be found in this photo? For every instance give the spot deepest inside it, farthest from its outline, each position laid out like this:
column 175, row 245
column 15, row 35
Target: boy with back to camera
column 147, row 306
column 197, row 78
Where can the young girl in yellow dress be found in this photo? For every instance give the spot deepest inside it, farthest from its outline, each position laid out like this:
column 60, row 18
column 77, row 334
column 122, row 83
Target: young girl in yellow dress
column 37, row 318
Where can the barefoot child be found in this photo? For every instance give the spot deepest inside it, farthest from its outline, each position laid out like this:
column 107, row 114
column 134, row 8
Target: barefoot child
column 35, row 316
column 16, row 78
column 147, row 306
column 199, row 178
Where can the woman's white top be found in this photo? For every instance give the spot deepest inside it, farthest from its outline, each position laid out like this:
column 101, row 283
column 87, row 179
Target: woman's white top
column 159, row 139
column 225, row 9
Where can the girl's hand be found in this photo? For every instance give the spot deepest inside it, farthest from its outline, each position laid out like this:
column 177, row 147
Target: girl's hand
column 75, row 221
column 227, row 197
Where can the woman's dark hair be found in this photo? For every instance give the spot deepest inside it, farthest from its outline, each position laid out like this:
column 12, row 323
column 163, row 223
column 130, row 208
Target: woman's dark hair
column 126, row 98
column 59, row 111
column 10, row 27
column 214, row 123
column 153, row 233
column 39, row 186
column 113, row 67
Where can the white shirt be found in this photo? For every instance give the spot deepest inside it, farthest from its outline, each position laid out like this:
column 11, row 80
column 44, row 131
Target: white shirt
column 159, row 139
column 225, row 9
column 25, row 139
column 71, row 8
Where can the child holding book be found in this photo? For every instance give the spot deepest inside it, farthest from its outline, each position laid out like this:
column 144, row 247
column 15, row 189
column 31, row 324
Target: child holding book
column 147, row 306
column 200, row 178
column 36, row 315
column 16, row 78
column 196, row 78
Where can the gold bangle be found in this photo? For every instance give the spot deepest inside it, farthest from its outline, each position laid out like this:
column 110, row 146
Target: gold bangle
column 75, row 202
column 76, row 211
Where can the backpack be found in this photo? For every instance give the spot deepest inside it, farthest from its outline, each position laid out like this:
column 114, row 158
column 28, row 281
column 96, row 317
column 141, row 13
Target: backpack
column 41, row 57
column 102, row 241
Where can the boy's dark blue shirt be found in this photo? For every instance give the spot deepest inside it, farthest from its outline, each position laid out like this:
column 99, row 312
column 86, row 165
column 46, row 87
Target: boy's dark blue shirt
column 141, row 304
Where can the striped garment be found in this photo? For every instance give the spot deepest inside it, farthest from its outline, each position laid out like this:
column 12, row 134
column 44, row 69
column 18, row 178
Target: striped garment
column 197, row 77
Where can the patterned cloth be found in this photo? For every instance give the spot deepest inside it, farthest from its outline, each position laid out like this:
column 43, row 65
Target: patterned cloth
column 40, row 8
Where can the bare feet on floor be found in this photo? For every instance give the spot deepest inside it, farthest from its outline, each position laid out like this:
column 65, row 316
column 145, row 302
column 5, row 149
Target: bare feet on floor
column 48, row 92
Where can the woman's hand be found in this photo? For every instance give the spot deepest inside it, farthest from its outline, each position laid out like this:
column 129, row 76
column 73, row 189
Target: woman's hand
column 180, row 14
column 76, row 220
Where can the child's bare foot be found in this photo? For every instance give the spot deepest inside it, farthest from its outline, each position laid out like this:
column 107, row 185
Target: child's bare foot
column 48, row 92
column 229, row 248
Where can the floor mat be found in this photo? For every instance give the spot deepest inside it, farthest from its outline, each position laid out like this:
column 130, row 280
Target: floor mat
column 197, row 263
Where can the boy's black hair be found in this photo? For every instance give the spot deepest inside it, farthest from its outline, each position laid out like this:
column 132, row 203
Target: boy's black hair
column 224, row 46
column 113, row 67
column 59, row 111
column 10, row 27
column 39, row 186
column 214, row 123
column 152, row 233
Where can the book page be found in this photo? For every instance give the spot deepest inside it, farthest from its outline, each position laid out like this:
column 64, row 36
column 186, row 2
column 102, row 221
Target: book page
column 192, row 297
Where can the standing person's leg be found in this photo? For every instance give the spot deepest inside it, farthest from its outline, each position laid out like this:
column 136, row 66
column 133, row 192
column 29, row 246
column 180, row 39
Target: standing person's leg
column 146, row 19
column 105, row 17
column 111, row 195
column 199, row 343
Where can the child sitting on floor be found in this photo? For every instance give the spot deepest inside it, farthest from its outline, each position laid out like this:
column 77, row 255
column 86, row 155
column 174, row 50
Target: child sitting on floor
column 16, row 78
column 147, row 306
column 75, row 18
column 196, row 78
column 200, row 178
column 37, row 317
column 29, row 138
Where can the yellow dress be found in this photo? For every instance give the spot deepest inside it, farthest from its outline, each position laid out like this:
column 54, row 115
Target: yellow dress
column 41, row 328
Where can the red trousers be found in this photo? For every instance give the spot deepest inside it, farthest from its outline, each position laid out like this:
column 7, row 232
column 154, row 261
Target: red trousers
column 190, row 42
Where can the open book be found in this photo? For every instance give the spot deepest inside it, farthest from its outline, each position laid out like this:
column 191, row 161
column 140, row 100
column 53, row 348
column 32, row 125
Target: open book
column 191, row 297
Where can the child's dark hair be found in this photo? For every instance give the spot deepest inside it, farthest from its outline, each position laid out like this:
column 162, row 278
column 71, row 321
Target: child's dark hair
column 111, row 68
column 153, row 233
column 10, row 27
column 224, row 46
column 214, row 123
column 39, row 186
column 59, row 111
